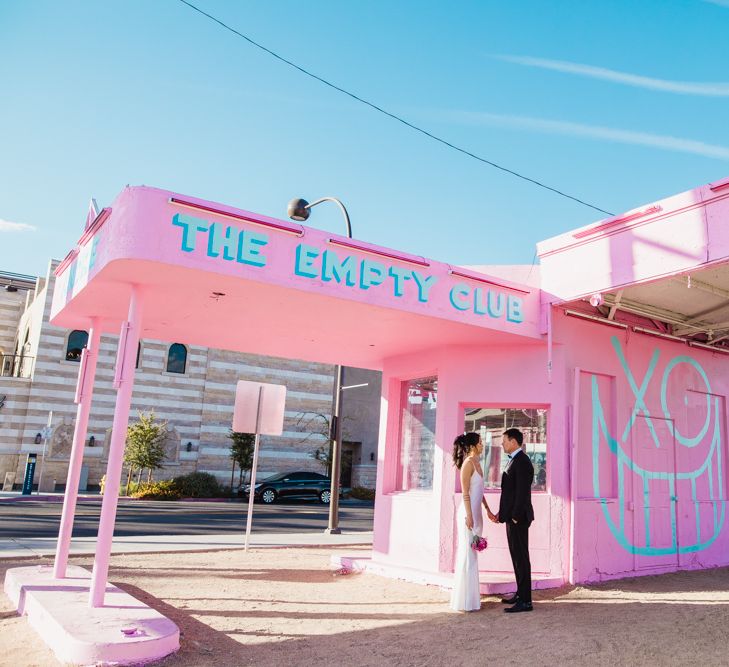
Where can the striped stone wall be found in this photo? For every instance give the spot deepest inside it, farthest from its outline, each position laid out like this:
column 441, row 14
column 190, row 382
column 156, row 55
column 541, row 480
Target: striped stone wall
column 12, row 305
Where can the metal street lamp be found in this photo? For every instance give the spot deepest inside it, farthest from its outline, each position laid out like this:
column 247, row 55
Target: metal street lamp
column 299, row 210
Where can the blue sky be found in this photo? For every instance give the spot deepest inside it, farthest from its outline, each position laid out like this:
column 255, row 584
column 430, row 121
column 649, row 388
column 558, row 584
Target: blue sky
column 618, row 103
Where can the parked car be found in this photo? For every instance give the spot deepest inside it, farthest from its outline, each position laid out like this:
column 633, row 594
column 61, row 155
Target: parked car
column 293, row 485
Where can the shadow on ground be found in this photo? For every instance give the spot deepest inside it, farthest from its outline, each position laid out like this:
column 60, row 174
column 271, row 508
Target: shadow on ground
column 287, row 607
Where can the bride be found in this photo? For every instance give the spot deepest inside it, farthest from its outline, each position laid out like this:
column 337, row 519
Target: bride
column 467, row 449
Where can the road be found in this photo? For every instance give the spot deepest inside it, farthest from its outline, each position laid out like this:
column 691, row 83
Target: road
column 39, row 518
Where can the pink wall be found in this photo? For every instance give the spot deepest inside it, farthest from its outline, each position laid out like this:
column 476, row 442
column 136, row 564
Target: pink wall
column 650, row 452
column 496, row 376
column 626, row 520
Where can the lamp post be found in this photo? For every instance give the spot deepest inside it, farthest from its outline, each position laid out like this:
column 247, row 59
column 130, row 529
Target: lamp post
column 46, row 433
column 299, row 210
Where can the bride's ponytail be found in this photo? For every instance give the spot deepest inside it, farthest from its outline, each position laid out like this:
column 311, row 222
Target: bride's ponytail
column 462, row 445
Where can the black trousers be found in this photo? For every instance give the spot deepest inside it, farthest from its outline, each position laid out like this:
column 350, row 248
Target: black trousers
column 517, row 535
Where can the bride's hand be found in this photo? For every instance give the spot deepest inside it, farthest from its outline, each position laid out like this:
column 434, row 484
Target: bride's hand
column 469, row 522
column 491, row 515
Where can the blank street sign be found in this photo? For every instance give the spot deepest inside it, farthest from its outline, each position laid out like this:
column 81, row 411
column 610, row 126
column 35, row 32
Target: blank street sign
column 246, row 406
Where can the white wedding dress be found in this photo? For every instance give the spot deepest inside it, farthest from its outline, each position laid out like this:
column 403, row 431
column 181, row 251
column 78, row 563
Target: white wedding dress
column 466, row 595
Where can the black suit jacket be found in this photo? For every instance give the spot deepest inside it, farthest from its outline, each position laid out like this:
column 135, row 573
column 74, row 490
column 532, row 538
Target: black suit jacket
column 516, row 491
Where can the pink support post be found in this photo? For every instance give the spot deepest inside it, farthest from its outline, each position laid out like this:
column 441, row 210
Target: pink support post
column 124, row 382
column 84, row 394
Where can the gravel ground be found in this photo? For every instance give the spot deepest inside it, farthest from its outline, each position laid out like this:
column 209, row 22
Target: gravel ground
column 287, row 607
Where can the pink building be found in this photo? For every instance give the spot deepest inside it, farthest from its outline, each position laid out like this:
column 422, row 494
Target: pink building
column 610, row 356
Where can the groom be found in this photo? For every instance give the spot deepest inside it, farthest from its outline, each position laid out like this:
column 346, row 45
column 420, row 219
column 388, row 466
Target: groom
column 515, row 510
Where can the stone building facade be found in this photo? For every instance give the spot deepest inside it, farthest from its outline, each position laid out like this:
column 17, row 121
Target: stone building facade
column 191, row 388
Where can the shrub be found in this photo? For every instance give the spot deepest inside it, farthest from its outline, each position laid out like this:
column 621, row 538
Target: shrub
column 197, row 485
column 362, row 493
column 163, row 490
column 133, row 486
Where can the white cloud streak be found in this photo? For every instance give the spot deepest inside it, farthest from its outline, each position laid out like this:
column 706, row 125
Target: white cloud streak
column 719, row 89
column 7, row 226
column 663, row 142
column 721, row 3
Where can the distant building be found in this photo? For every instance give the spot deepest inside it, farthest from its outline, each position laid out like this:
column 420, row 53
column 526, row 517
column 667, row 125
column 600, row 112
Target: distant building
column 192, row 388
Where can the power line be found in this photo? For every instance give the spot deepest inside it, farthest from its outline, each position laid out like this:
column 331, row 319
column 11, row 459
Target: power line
column 389, row 114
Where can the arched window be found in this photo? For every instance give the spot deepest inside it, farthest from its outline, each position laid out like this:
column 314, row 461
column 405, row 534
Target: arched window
column 177, row 358
column 77, row 341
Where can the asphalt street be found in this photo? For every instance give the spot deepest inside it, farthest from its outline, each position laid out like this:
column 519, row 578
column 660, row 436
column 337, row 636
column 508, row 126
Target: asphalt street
column 40, row 518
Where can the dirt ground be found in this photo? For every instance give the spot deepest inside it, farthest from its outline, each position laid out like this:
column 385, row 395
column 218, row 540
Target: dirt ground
column 286, row 607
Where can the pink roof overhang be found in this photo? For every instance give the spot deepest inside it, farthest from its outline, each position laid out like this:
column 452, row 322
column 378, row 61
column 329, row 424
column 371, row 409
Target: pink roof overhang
column 664, row 265
column 218, row 276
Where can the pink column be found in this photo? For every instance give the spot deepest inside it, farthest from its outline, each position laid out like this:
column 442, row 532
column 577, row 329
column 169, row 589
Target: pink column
column 84, row 394
column 124, row 382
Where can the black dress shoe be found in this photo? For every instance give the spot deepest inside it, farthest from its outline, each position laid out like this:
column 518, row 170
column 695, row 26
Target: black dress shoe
column 512, row 600
column 519, row 606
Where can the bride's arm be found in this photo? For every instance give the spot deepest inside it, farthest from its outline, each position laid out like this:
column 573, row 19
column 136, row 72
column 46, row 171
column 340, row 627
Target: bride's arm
column 466, row 474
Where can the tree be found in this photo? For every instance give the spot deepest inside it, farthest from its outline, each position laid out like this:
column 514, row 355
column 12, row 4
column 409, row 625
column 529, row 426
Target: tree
column 324, row 455
column 241, row 452
column 318, row 424
column 145, row 446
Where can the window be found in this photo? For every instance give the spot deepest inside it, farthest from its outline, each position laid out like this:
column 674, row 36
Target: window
column 77, row 341
column 177, row 358
column 417, row 433
column 492, row 422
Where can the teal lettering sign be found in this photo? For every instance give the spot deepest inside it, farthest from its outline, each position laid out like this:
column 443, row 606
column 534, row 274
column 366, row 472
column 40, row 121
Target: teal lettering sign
column 232, row 244
column 29, row 474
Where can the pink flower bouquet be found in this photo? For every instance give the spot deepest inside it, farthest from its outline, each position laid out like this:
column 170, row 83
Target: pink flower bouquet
column 478, row 543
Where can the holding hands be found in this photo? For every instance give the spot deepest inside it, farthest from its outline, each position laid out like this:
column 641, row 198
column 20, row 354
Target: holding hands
column 494, row 518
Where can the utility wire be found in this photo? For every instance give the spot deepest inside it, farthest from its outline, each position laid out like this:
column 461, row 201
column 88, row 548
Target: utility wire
column 391, row 115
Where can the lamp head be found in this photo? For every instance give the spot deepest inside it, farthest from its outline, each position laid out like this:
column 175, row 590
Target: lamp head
column 596, row 300
column 298, row 210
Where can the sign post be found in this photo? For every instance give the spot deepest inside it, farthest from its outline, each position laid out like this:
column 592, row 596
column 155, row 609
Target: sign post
column 259, row 409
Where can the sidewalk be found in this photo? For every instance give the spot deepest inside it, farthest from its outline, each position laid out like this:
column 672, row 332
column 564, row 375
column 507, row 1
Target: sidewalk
column 15, row 496
column 46, row 546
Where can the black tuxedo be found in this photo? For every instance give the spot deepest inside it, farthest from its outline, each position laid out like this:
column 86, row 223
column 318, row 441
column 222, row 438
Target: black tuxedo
column 516, row 505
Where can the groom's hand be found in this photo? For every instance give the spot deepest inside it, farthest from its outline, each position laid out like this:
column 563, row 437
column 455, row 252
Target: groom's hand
column 495, row 518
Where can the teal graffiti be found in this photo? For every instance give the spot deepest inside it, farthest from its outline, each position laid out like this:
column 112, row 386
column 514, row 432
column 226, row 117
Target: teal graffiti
column 639, row 393
column 625, row 461
column 683, row 359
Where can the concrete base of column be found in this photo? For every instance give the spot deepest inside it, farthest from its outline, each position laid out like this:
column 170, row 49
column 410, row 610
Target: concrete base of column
column 124, row 631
